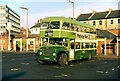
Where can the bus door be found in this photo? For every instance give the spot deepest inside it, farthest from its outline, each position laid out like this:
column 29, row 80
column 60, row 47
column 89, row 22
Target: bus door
column 72, row 50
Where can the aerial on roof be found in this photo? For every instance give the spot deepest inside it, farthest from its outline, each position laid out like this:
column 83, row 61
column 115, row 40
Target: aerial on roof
column 99, row 15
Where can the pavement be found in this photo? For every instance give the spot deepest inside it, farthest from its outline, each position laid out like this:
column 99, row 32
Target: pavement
column 108, row 56
column 97, row 56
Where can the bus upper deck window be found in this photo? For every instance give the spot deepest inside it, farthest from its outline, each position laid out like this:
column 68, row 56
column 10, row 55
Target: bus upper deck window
column 44, row 25
column 65, row 25
column 55, row 25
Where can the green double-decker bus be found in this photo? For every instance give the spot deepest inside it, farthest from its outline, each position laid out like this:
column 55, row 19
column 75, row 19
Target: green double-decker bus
column 64, row 40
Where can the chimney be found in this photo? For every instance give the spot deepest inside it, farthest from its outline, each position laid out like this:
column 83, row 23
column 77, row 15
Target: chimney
column 93, row 12
column 110, row 10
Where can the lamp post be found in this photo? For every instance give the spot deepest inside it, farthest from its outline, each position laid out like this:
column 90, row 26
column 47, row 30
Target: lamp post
column 26, row 19
column 24, row 8
column 9, row 27
column 72, row 2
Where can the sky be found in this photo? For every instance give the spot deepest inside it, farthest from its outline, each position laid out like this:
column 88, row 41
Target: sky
column 44, row 8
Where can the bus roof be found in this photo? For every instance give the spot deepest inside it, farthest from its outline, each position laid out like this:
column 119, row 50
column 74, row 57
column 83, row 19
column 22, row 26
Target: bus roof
column 58, row 18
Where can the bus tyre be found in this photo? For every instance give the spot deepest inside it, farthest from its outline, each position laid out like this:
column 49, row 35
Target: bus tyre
column 39, row 61
column 89, row 55
column 62, row 60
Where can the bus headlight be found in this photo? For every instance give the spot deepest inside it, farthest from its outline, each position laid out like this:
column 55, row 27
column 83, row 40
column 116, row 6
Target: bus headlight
column 54, row 54
column 40, row 53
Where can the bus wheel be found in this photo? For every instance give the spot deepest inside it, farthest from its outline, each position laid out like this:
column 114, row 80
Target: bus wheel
column 89, row 55
column 39, row 61
column 63, row 59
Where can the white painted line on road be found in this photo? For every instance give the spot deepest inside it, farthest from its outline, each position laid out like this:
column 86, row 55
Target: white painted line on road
column 113, row 69
column 14, row 69
column 80, row 63
column 71, row 65
column 100, row 71
column 105, row 62
column 25, row 63
column 106, row 72
column 59, row 67
column 118, row 66
column 62, row 75
column 12, row 59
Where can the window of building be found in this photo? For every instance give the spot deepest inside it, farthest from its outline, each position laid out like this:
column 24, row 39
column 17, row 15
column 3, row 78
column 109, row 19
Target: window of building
column 118, row 21
column 100, row 22
column 36, row 29
column 111, row 21
column 93, row 22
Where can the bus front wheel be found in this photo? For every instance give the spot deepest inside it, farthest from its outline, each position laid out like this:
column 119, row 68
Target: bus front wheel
column 62, row 60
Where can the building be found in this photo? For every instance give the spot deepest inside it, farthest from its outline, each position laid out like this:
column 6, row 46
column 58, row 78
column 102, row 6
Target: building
column 107, row 24
column 36, row 28
column 102, row 20
column 8, row 15
column 19, row 42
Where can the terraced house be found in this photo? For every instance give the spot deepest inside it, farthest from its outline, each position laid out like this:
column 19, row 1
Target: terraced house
column 107, row 24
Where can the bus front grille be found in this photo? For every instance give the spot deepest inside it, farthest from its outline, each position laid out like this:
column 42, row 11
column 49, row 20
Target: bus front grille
column 47, row 52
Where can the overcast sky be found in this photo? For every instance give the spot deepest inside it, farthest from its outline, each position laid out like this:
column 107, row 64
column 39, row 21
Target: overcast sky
column 44, row 8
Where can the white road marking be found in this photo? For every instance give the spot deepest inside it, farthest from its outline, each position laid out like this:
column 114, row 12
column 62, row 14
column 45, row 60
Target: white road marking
column 100, row 71
column 113, row 69
column 25, row 63
column 62, row 75
column 106, row 72
column 12, row 59
column 118, row 66
column 59, row 67
column 71, row 65
column 14, row 69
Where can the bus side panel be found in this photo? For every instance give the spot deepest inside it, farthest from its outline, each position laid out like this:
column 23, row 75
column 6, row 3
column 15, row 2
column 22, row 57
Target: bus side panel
column 93, row 52
column 77, row 55
column 81, row 54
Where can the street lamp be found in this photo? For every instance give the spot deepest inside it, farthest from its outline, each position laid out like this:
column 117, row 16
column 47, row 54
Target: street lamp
column 72, row 2
column 26, row 25
column 26, row 19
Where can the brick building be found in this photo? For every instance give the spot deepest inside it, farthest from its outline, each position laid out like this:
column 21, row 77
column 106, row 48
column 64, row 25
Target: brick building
column 107, row 24
column 31, row 43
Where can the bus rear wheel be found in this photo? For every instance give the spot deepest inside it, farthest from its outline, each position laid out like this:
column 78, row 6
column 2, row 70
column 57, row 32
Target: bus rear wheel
column 89, row 55
column 62, row 60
